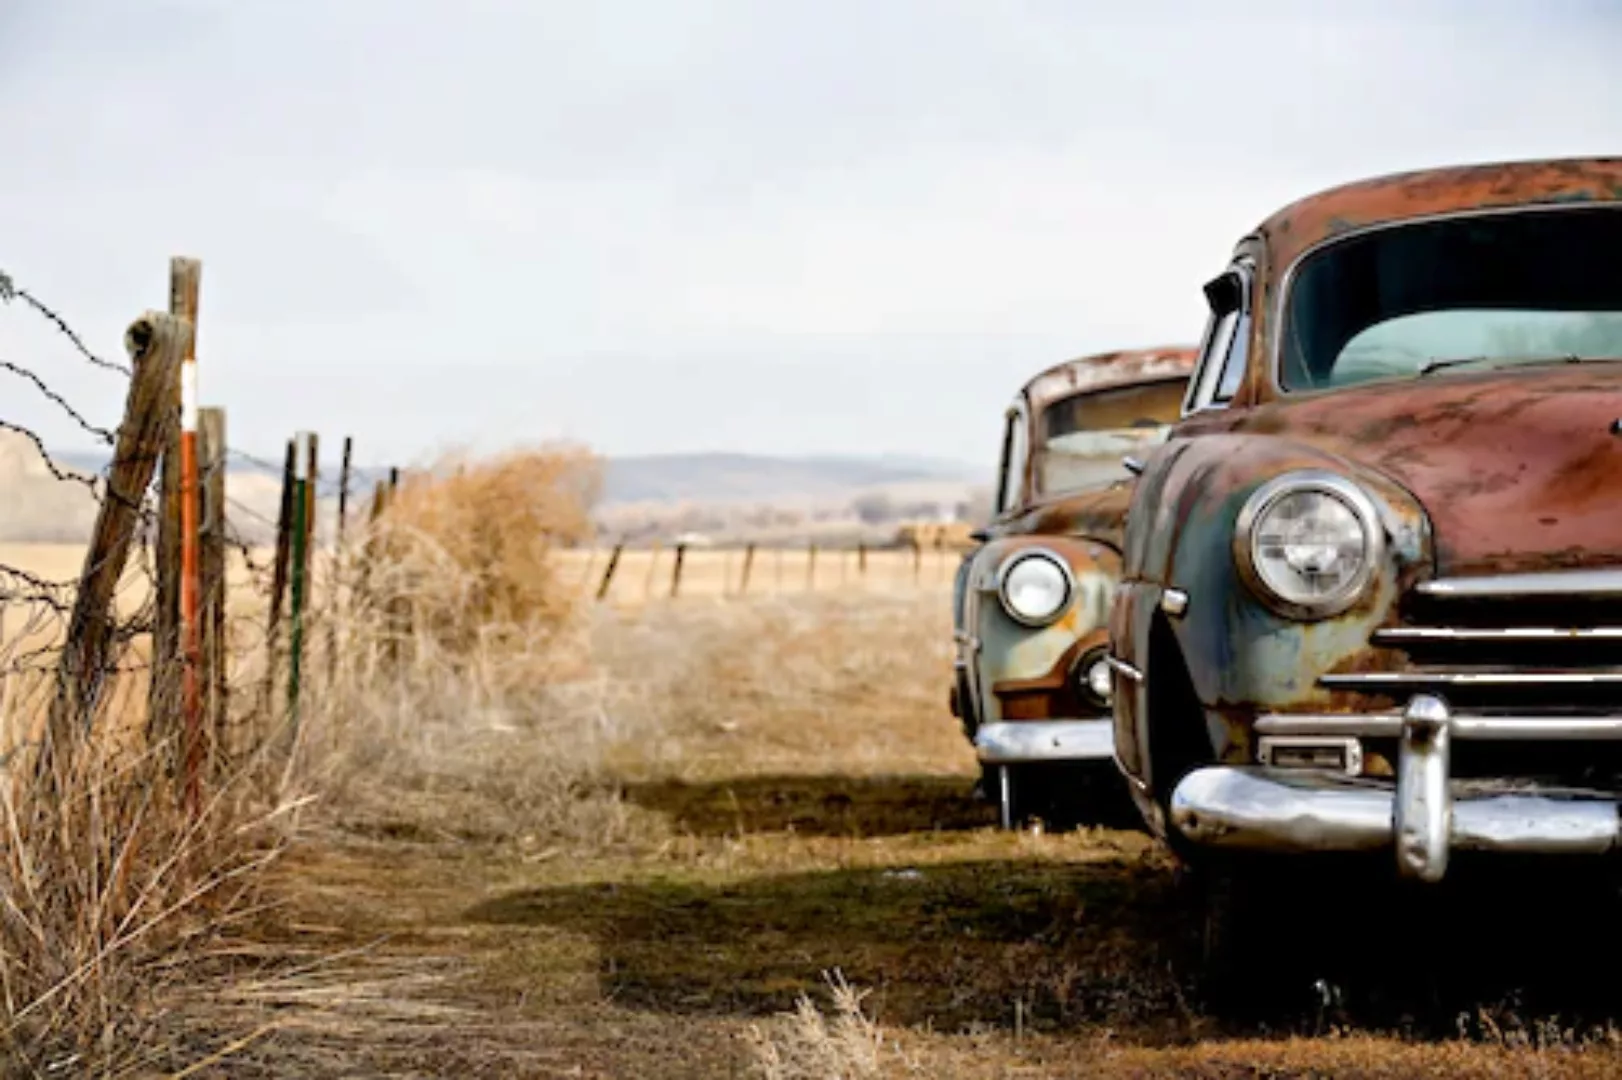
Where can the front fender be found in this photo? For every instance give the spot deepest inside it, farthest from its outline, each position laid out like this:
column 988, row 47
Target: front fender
column 1021, row 669
column 1241, row 656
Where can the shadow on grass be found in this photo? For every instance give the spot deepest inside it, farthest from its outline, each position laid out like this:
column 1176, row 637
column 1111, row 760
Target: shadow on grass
column 817, row 805
column 1101, row 944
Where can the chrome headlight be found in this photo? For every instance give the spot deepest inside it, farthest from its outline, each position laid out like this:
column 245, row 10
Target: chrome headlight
column 1308, row 543
column 1035, row 586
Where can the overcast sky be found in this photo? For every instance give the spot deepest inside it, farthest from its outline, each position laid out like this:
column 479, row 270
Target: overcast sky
column 846, row 226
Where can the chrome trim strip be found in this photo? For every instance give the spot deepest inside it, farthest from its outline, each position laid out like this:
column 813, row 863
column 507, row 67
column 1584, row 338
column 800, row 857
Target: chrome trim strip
column 1124, row 669
column 1507, row 586
column 1422, row 815
column 1012, row 742
column 1362, row 680
column 1367, row 725
column 1399, row 634
column 1467, row 726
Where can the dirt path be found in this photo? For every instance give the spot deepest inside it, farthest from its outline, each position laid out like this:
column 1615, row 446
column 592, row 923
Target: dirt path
column 982, row 954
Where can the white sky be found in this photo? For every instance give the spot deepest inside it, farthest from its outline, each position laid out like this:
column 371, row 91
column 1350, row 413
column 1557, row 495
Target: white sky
column 846, row 226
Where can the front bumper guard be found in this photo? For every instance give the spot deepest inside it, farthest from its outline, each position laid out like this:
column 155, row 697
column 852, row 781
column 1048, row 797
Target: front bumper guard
column 1423, row 817
column 1025, row 742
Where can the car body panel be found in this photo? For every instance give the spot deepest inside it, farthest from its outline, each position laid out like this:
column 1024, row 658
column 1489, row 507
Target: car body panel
column 1473, row 473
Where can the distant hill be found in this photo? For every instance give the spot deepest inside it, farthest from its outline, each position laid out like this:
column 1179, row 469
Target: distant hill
column 754, row 478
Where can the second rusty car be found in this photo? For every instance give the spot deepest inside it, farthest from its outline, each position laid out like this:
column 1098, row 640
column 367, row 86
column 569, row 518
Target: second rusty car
column 1372, row 590
column 1031, row 602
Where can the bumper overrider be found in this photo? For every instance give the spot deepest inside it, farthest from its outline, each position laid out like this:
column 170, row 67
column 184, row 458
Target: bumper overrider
column 1423, row 816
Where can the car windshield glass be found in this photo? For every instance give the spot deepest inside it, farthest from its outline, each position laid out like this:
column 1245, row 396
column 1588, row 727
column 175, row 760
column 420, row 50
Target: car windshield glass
column 1085, row 436
column 1481, row 291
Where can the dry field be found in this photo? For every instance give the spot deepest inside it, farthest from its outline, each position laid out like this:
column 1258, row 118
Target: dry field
column 736, row 838
column 718, row 837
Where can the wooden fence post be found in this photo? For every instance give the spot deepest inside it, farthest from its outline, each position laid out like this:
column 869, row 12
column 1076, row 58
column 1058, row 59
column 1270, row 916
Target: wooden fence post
column 811, row 567
column 861, row 557
column 748, row 564
column 608, row 572
column 184, row 278
column 211, row 453
column 299, row 558
column 675, row 569
column 157, row 345
column 279, row 568
column 917, row 560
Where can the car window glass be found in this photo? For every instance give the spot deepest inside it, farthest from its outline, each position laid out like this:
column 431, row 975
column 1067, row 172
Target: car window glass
column 1010, row 479
column 1085, row 436
column 1456, row 294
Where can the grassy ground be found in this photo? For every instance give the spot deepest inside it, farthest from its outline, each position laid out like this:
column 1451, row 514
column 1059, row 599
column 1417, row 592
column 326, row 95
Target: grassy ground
column 775, row 804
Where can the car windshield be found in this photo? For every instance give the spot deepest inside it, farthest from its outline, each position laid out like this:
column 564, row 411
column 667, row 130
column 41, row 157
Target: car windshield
column 1083, row 437
column 1456, row 294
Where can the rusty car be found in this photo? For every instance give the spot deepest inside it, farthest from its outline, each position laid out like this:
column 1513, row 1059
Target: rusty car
column 1371, row 595
column 1031, row 602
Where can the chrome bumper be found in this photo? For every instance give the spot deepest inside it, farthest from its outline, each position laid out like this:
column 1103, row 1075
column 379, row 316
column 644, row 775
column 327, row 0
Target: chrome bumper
column 1423, row 816
column 1029, row 741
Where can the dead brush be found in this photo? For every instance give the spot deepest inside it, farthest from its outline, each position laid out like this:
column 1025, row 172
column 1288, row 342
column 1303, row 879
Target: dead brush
column 464, row 705
column 807, row 1044
column 107, row 884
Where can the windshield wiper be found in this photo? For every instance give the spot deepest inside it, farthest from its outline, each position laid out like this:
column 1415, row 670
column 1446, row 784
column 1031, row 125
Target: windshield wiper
column 1437, row 363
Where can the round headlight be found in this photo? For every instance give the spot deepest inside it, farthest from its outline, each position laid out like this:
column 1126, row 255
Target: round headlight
column 1308, row 542
column 1035, row 587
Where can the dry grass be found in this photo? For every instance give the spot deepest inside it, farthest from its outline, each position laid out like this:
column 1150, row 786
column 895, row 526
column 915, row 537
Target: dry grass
column 628, row 840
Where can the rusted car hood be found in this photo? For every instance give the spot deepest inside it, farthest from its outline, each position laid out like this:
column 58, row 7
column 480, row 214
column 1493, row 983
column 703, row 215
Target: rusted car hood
column 1518, row 469
column 1097, row 514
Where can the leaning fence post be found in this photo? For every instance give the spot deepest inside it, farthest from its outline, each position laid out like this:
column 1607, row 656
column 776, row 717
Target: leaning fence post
column 748, row 564
column 608, row 572
column 299, row 559
column 157, row 344
column 653, row 563
column 211, row 454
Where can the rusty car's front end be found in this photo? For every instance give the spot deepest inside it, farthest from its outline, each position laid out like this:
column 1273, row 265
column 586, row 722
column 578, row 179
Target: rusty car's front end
column 1031, row 602
column 1373, row 594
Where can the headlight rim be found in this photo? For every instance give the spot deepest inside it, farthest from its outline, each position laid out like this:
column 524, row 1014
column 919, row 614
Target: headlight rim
column 1336, row 486
column 1013, row 559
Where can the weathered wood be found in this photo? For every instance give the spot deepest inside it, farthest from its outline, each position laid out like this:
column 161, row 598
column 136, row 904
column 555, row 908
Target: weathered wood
column 278, row 573
column 608, row 572
column 215, row 676
column 748, row 565
column 861, row 557
column 157, row 344
column 675, row 570
column 185, row 276
column 811, row 568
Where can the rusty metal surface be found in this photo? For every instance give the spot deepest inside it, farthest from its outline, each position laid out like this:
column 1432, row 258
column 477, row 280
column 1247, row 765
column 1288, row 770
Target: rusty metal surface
column 1103, row 371
column 1319, row 217
column 1499, row 471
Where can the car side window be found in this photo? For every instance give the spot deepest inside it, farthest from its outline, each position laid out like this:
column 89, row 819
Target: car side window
column 1226, row 348
column 1011, row 471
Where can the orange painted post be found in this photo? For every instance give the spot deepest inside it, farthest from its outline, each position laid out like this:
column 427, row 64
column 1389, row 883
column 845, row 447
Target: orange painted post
column 184, row 279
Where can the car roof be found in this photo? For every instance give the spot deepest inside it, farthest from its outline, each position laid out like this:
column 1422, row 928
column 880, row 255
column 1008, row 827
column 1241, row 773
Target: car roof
column 1310, row 221
column 1100, row 371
